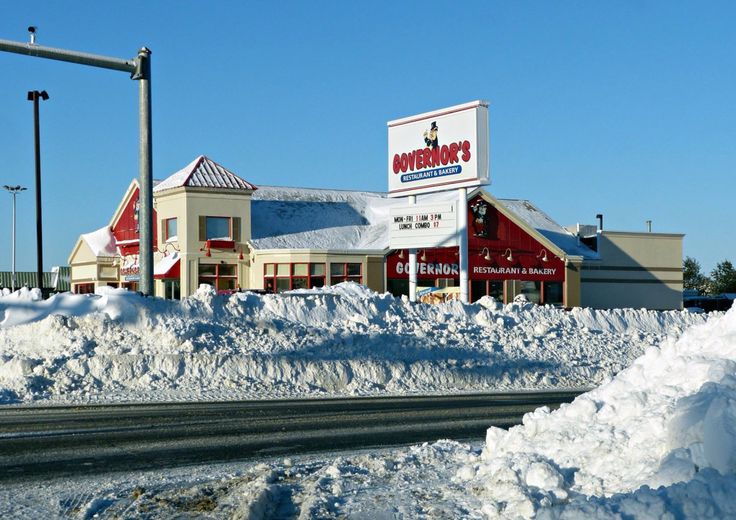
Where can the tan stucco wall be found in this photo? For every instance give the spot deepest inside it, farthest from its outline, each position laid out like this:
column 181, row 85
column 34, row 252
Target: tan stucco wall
column 85, row 267
column 636, row 270
column 83, row 273
column 372, row 266
column 374, row 273
column 187, row 205
column 571, row 296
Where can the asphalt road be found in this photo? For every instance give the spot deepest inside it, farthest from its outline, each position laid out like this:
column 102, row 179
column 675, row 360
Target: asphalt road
column 51, row 442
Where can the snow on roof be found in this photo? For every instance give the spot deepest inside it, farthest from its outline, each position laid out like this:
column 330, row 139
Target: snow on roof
column 101, row 242
column 165, row 264
column 558, row 235
column 308, row 218
column 203, row 172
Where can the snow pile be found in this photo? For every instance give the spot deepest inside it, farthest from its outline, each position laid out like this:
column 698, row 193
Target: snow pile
column 342, row 340
column 407, row 482
column 657, row 441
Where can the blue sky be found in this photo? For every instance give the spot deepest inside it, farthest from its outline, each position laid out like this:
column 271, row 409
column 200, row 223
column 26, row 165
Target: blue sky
column 624, row 108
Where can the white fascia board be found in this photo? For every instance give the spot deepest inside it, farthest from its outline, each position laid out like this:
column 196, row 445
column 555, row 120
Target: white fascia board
column 435, row 113
column 554, row 248
column 365, row 252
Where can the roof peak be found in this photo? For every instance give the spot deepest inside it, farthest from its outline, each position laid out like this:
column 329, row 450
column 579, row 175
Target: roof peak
column 203, row 172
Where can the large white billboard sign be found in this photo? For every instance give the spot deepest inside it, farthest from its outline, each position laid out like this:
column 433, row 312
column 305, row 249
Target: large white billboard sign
column 439, row 150
column 413, row 226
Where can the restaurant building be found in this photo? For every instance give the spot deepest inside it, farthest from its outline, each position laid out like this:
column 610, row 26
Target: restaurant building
column 213, row 227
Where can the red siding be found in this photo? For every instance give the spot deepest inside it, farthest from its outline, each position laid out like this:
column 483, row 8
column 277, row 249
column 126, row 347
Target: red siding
column 487, row 228
column 127, row 228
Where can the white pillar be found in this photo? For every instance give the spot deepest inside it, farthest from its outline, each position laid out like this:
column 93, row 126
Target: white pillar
column 412, row 264
column 462, row 230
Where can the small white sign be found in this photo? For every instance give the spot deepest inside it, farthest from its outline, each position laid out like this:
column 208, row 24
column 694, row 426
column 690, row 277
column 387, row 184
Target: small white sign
column 413, row 226
column 440, row 150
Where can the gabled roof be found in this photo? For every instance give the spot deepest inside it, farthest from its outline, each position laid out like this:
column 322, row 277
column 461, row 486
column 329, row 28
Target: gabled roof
column 538, row 220
column 203, row 172
column 101, row 242
column 129, row 192
column 307, row 218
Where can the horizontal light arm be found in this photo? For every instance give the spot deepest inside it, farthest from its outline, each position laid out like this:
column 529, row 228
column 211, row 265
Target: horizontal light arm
column 82, row 58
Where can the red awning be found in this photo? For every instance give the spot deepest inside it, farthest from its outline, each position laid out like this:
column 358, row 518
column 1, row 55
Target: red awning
column 220, row 244
column 168, row 267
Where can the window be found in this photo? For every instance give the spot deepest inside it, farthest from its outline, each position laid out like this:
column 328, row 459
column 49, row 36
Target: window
column 552, row 292
column 446, row 282
column 477, row 290
column 545, row 293
column 286, row 277
column 317, row 275
column 84, row 288
column 219, row 228
column 172, row 290
column 398, row 286
column 346, row 272
column 130, row 286
column 300, row 276
column 532, row 291
column 170, row 230
column 223, row 277
column 480, row 288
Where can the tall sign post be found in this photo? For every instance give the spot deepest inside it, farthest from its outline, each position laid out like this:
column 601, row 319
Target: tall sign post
column 437, row 151
column 413, row 262
column 139, row 69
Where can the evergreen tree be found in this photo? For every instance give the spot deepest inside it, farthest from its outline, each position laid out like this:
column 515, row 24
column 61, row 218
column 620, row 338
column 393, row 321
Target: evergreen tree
column 692, row 278
column 723, row 278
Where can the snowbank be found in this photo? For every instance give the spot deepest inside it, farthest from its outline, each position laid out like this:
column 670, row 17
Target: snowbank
column 343, row 340
column 657, row 441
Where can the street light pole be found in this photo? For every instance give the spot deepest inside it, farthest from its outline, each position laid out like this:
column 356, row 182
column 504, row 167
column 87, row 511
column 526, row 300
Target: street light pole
column 140, row 70
column 35, row 95
column 14, row 190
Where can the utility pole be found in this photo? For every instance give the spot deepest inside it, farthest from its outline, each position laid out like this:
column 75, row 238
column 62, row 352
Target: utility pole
column 139, row 69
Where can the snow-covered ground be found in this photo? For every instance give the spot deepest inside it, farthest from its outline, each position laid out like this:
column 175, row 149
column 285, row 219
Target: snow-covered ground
column 655, row 440
column 343, row 340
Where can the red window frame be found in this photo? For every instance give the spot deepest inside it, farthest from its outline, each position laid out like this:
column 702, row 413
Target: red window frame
column 270, row 282
column 345, row 277
column 217, row 279
column 84, row 288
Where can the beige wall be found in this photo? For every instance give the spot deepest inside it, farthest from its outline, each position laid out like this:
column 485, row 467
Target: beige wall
column 85, row 267
column 572, row 287
column 374, row 273
column 372, row 266
column 636, row 270
column 187, row 205
column 83, row 273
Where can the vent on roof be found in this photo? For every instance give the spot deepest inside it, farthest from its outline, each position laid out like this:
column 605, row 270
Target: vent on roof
column 586, row 234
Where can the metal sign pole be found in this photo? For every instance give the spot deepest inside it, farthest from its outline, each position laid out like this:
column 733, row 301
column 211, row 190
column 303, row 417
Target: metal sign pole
column 462, row 231
column 412, row 264
column 139, row 69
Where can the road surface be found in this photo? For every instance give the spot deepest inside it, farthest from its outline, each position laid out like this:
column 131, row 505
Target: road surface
column 49, row 442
